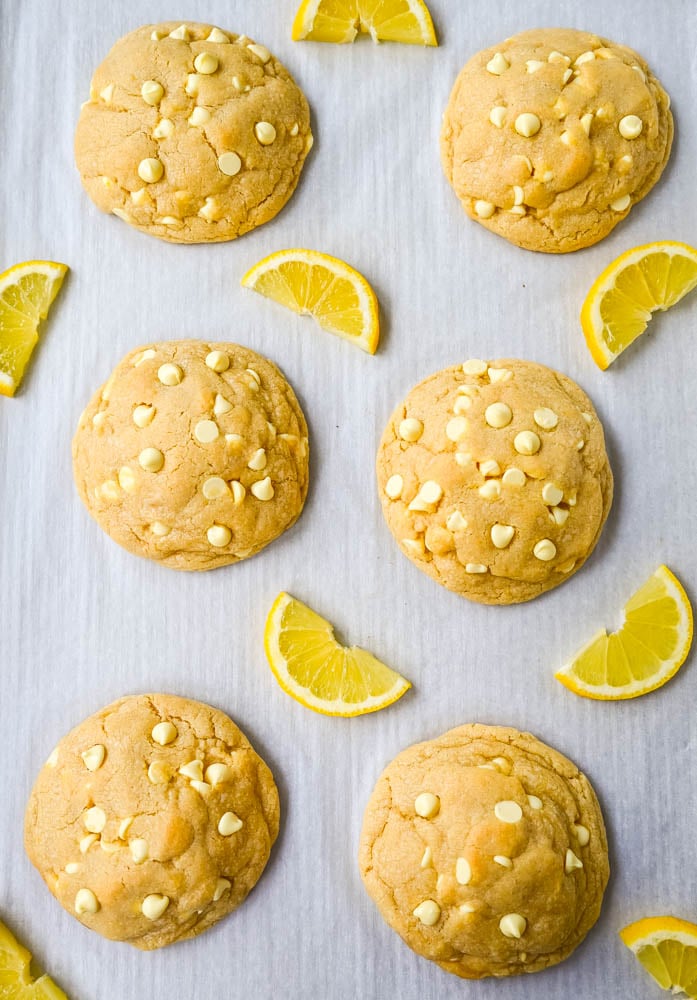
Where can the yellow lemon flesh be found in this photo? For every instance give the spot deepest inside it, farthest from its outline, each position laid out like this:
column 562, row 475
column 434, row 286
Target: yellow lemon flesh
column 407, row 21
column 667, row 948
column 16, row 981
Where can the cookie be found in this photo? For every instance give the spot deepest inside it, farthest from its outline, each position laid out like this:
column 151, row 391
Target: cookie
column 152, row 819
column 550, row 137
column 494, row 479
column 191, row 133
column 194, row 454
column 486, row 851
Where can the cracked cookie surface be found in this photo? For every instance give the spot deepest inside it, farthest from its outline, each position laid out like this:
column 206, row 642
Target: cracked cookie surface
column 494, row 479
column 152, row 819
column 486, row 851
column 550, row 137
column 191, row 133
column 193, row 453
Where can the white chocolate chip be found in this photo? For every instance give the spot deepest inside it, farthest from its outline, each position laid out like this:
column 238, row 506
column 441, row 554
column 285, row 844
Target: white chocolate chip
column 410, row 429
column 139, row 850
column 229, row 164
column 143, row 415
column 545, row 418
column 109, row 490
column 426, row 805
column 582, row 834
column 150, row 170
column 428, row 912
column 164, row 733
column 571, row 499
column 181, row 33
column 461, row 405
column 502, row 535
column 427, row 858
column 238, row 491
column 490, row 468
column 217, row 774
column 192, row 770
column 491, row 490
column 263, row 489
column 152, row 92
column 463, row 458
column 170, row 374
column 394, row 487
column 551, row 494
column 456, row 428
column 508, row 811
column 159, row 772
column 261, row 52
column 151, row 459
column 219, row 535
column 206, row 63
column 518, row 196
column 566, row 138
column 199, row 116
column 428, row 496
column 206, row 431
column 475, row 366
column 621, row 204
column 639, row 70
column 526, row 443
column 258, row 460
column 513, row 477
column 630, row 127
column 72, row 867
column 455, row 521
column 127, row 479
column 532, row 65
column 476, row 568
column 228, row 824
column 202, row 787
column 154, row 905
column 214, row 488
column 221, row 886
column 211, row 210
column 219, row 362
column 560, row 515
column 584, row 57
column 108, row 847
column 94, row 819
column 512, row 925
column 498, row 415
column 98, row 419
column 169, row 220
column 527, row 124
column 87, row 842
column 93, row 758
column 163, row 129
column 566, row 567
column 586, row 122
column 567, row 75
column 466, row 908
column 545, row 550
column 124, row 826
column 517, row 210
column 501, row 859
column 497, row 115
column 498, row 64
column 415, row 546
column 86, row 902
column 463, row 871
column 265, row 133
column 558, row 57
column 218, row 36
column 107, row 94
column 484, row 209
column 534, row 802
column 571, row 862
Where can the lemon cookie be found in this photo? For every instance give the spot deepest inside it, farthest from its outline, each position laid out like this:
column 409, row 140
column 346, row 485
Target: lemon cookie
column 486, row 851
column 550, row 137
column 494, row 479
column 152, row 819
column 194, row 454
column 191, row 133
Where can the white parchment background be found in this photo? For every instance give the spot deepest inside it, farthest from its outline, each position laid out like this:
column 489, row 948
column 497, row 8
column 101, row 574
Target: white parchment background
column 82, row 622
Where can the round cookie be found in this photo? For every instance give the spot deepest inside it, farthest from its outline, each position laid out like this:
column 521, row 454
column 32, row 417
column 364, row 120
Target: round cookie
column 486, row 851
column 494, row 479
column 191, row 133
column 550, row 137
column 152, row 819
column 194, row 454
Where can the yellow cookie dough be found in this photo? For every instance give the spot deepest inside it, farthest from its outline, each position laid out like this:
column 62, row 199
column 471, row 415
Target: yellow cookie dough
column 152, row 819
column 486, row 851
column 191, row 133
column 193, row 453
column 494, row 479
column 550, row 137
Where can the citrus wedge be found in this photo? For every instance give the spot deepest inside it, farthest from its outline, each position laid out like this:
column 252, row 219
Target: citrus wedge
column 667, row 948
column 644, row 653
column 26, row 293
column 407, row 21
column 645, row 280
column 314, row 669
column 16, row 981
column 315, row 284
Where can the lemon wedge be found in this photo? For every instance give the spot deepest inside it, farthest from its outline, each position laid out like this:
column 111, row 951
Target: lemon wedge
column 644, row 653
column 407, row 21
column 622, row 300
column 16, row 982
column 315, row 284
column 26, row 293
column 667, row 948
column 315, row 670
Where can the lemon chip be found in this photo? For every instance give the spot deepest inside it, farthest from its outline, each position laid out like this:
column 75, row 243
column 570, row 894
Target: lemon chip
column 667, row 948
column 315, row 670
column 315, row 284
column 644, row 653
column 642, row 281
column 16, row 982
column 407, row 21
column 26, row 293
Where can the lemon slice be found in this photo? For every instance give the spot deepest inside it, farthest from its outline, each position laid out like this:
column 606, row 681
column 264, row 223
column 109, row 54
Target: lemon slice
column 407, row 21
column 314, row 669
column 667, row 948
column 16, row 982
column 26, row 293
column 646, row 650
column 315, row 284
column 622, row 300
